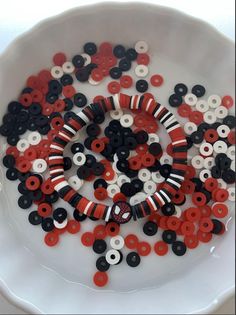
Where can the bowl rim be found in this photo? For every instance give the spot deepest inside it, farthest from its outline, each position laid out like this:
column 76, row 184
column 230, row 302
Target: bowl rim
column 80, row 9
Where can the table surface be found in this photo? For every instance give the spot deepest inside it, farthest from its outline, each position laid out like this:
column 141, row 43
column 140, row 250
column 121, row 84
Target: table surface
column 12, row 23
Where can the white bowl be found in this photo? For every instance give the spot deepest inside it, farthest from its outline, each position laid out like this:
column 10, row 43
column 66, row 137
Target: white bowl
column 58, row 280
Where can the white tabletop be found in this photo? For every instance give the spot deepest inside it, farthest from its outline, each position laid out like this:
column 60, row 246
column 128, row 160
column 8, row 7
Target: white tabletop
column 18, row 16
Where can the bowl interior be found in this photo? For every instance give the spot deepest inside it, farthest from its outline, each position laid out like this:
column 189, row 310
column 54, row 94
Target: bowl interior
column 182, row 50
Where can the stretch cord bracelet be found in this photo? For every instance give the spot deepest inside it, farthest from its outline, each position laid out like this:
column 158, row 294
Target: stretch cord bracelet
column 120, row 212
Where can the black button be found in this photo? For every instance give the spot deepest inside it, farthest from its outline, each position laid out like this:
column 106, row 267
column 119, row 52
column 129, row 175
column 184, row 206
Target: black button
column 138, row 184
column 66, row 79
column 168, row 209
column 203, row 127
column 69, row 104
column 165, row 170
column 34, row 218
column 77, row 147
column 133, row 259
column 80, row 100
column 14, row 107
column 22, row 189
column 115, row 73
column 99, row 119
column 141, row 86
column 119, row 51
column 82, row 75
column 197, row 137
column 60, row 214
column 124, row 64
column 175, row 100
column 93, row 130
column 179, row 248
column 122, row 165
column 131, row 54
column 169, row 236
column 98, row 169
column 217, row 226
column 35, row 109
column 24, row 202
column 155, row 167
column 12, row 174
column 52, row 198
column 90, row 48
column 88, row 142
column 130, row 143
column 215, row 172
column 122, row 153
column 141, row 137
column 90, row 160
column 9, row 161
column 128, row 189
column 83, row 172
column 78, row 61
column 155, row 148
column 47, row 224
column 99, row 246
column 100, row 183
column 181, row 89
column 101, row 264
column 116, row 141
column 198, row 184
column 198, row 90
column 228, row 176
column 230, row 121
column 78, row 216
column 150, row 228
column 67, row 163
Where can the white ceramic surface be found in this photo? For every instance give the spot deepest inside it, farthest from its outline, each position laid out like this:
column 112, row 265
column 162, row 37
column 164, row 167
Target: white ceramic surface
column 58, row 280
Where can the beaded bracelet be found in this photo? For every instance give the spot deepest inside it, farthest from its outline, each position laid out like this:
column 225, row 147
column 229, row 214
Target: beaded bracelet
column 120, row 212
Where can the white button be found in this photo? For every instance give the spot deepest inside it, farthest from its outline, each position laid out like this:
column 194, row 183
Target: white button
column 209, row 117
column 204, row 174
column 206, row 149
column 166, row 159
column 221, row 112
column 231, row 191
column 39, row 166
column 152, row 137
column 93, row 82
column 68, row 67
column 157, row 178
column 112, row 257
column 122, row 179
column 117, row 242
column 178, row 212
column 137, row 198
column 190, row 99
column 220, row 147
column 150, row 187
column 221, row 183
column 79, row 159
column 141, row 47
column 231, row 152
column 113, row 180
column 116, row 114
column 189, row 128
column 202, row 106
column 209, row 162
column 57, row 72
column 22, row 145
column 223, row 131
column 34, row 138
column 75, row 182
column 232, row 166
column 197, row 162
column 112, row 190
column 144, row 174
column 141, row 71
column 87, row 59
column 126, row 120
column 214, row 101
column 60, row 225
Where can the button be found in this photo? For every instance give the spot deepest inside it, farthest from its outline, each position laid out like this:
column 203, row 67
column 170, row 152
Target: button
column 179, row 248
column 113, row 257
column 150, row 228
column 117, row 242
column 133, row 259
